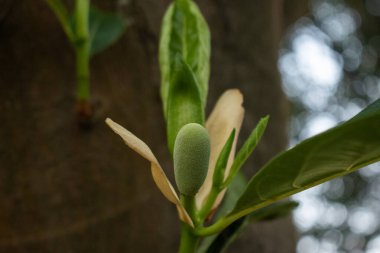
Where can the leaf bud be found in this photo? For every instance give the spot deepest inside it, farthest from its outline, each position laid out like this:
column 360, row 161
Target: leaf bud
column 191, row 158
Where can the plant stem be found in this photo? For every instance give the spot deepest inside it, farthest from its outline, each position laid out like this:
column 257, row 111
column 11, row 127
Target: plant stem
column 81, row 17
column 189, row 240
column 214, row 228
column 224, row 222
column 82, row 49
column 83, row 71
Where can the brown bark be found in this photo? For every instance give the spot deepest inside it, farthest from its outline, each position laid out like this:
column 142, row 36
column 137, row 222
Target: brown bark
column 67, row 190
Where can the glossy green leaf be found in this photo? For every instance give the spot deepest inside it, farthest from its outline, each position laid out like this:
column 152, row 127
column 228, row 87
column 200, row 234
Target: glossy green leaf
column 184, row 104
column 105, row 29
column 184, row 32
column 247, row 148
column 336, row 152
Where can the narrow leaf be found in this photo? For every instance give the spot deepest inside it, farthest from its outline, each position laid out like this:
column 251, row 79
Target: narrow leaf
column 208, row 207
column 184, row 104
column 221, row 163
column 334, row 153
column 184, row 32
column 248, row 147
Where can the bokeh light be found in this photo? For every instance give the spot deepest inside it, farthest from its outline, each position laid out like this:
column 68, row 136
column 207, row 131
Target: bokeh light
column 329, row 73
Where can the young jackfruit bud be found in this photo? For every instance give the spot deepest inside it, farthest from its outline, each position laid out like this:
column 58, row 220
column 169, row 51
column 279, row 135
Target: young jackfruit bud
column 191, row 157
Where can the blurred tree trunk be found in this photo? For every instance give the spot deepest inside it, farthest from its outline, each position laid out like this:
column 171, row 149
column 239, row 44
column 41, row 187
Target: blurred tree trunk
column 63, row 189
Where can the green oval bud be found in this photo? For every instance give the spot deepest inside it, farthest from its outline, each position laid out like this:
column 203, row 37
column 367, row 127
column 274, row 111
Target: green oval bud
column 191, row 157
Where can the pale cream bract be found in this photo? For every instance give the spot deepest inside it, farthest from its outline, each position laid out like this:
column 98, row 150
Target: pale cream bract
column 227, row 115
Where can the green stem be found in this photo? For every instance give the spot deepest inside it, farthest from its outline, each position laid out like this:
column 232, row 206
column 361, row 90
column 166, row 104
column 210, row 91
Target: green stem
column 82, row 8
column 214, row 228
column 189, row 240
column 82, row 49
column 224, row 222
column 83, row 71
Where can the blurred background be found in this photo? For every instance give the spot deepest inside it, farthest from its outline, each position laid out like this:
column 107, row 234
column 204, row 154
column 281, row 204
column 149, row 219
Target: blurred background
column 330, row 71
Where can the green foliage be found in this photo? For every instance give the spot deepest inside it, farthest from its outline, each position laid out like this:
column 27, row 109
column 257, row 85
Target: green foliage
column 184, row 34
column 89, row 31
column 247, row 148
column 105, row 29
column 184, row 104
column 217, row 179
column 333, row 153
column 191, row 157
column 221, row 163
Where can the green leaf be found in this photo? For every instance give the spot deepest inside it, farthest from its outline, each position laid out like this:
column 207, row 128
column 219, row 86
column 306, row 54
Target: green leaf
column 184, row 104
column 184, row 32
column 247, row 148
column 105, row 29
column 221, row 163
column 334, row 153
